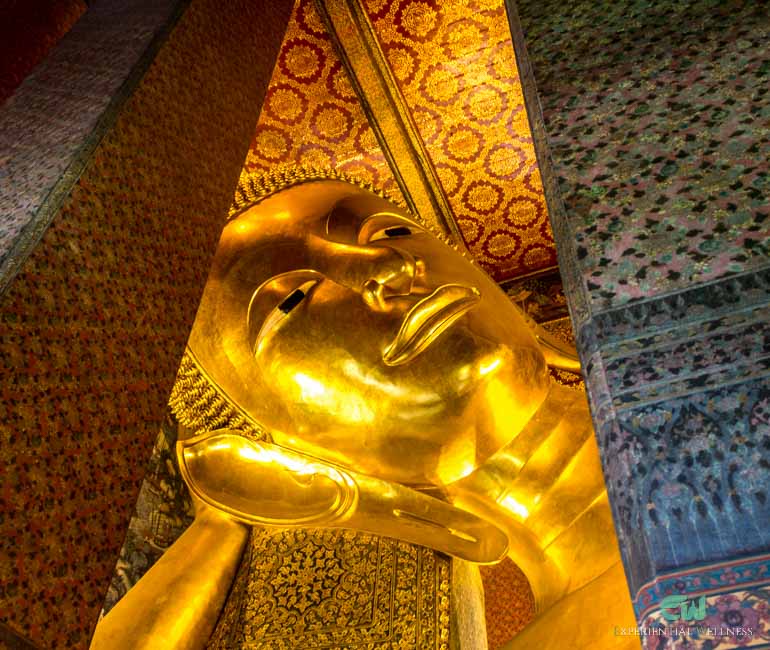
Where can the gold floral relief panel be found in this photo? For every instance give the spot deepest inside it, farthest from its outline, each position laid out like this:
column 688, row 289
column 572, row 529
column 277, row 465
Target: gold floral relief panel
column 336, row 589
column 456, row 68
column 311, row 115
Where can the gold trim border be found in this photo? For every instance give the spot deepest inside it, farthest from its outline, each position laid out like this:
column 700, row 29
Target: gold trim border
column 387, row 111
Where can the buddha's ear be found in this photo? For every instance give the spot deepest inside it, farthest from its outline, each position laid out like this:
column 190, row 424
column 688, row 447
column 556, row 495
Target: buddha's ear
column 558, row 353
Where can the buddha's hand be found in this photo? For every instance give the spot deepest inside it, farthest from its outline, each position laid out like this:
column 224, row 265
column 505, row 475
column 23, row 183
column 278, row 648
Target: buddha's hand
column 262, row 484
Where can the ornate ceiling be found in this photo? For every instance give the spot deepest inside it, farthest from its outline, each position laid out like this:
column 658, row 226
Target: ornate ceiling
column 452, row 67
column 311, row 115
column 454, row 63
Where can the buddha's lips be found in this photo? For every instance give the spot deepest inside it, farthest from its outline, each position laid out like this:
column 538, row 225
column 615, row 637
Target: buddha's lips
column 427, row 319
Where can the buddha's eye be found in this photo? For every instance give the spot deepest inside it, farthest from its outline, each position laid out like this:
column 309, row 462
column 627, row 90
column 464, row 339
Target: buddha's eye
column 384, row 226
column 398, row 231
column 294, row 298
column 275, row 301
column 391, row 233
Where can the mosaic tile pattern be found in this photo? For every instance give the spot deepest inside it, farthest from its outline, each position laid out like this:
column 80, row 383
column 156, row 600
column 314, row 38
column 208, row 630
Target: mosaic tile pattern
column 657, row 117
column 659, row 203
column 679, row 389
column 700, row 355
column 689, row 478
column 456, row 68
column 311, row 114
column 48, row 125
column 93, row 327
column 28, row 31
column 736, row 604
column 678, row 398
column 680, row 394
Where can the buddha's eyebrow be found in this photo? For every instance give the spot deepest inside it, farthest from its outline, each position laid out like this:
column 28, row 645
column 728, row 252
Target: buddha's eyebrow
column 342, row 220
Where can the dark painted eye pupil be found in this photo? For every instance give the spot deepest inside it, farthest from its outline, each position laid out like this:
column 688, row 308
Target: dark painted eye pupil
column 397, row 231
column 291, row 301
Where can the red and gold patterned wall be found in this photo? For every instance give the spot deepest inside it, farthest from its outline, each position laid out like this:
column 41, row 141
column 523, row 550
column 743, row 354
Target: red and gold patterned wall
column 94, row 325
column 311, row 115
column 455, row 65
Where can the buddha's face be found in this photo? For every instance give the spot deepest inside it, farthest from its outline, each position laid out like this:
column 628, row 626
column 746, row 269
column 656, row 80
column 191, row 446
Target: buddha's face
column 353, row 334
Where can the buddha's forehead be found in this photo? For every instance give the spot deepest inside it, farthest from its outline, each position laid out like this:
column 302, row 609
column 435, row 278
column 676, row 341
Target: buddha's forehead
column 322, row 209
column 276, row 235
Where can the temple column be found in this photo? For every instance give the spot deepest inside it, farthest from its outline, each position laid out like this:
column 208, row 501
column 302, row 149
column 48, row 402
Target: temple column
column 655, row 163
column 119, row 157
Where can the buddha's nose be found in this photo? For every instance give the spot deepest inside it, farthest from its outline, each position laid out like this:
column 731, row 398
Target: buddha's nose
column 392, row 275
column 377, row 271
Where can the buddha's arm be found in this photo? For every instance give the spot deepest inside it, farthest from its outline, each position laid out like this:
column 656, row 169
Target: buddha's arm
column 177, row 602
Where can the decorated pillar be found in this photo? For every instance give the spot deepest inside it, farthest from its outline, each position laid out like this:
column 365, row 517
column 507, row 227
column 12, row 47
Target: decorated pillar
column 653, row 145
column 120, row 154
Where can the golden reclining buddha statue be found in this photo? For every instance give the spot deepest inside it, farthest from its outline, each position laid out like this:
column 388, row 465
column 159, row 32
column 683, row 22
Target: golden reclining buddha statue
column 387, row 385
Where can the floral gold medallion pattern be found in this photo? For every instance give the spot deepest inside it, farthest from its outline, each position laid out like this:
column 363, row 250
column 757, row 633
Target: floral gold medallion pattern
column 455, row 66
